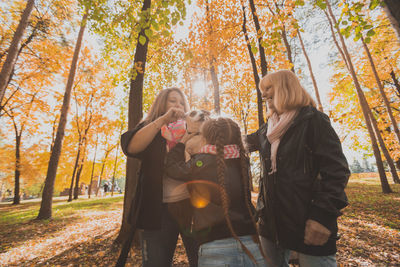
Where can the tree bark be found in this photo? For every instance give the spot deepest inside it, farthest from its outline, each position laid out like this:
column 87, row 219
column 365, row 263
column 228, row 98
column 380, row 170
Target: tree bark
column 395, row 82
column 363, row 102
column 214, row 79
column 17, row 198
column 135, row 114
column 47, row 196
column 76, row 165
column 392, row 9
column 314, row 81
column 263, row 60
column 382, row 91
column 115, row 169
column 260, row 109
column 288, row 48
column 93, row 165
column 8, row 65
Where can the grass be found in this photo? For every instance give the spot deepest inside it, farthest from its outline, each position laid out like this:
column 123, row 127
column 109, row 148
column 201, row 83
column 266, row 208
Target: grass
column 12, row 214
column 369, row 203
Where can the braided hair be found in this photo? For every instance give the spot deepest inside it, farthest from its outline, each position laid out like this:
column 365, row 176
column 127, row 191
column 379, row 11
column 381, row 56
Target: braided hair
column 221, row 132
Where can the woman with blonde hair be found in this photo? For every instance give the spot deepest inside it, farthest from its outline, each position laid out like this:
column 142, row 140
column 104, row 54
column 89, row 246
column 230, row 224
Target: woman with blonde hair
column 304, row 175
column 158, row 196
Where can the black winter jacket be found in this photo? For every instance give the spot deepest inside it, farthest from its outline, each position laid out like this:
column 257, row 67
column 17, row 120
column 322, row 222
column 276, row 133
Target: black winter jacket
column 147, row 203
column 312, row 173
column 202, row 169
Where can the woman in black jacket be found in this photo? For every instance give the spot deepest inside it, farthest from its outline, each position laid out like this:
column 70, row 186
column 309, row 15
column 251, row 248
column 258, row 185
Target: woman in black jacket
column 217, row 179
column 304, row 175
column 157, row 195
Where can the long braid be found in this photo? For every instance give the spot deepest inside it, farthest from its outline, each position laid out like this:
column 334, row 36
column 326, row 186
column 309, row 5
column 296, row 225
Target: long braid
column 220, row 138
column 245, row 173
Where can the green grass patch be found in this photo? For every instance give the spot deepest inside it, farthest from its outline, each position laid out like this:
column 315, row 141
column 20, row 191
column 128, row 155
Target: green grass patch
column 15, row 214
column 367, row 201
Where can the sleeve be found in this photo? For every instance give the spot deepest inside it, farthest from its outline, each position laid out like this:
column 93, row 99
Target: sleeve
column 252, row 141
column 176, row 167
column 127, row 137
column 329, row 197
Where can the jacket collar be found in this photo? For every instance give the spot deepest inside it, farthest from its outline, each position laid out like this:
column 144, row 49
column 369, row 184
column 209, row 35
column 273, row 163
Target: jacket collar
column 305, row 113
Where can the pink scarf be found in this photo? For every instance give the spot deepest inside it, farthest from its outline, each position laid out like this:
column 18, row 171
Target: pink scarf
column 277, row 127
column 230, row 151
column 173, row 132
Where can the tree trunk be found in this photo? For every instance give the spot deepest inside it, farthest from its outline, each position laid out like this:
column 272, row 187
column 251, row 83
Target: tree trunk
column 363, row 102
column 392, row 9
column 395, row 82
column 8, row 65
column 115, row 169
column 288, row 48
column 214, row 79
column 263, row 60
column 134, row 116
column 78, row 175
column 76, row 165
column 260, row 109
column 17, row 198
column 94, row 163
column 314, row 81
column 47, row 196
column 382, row 91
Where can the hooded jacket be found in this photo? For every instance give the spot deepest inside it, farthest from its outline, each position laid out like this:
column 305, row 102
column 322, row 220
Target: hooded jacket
column 309, row 183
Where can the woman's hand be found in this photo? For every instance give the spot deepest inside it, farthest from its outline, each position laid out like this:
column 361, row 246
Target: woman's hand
column 315, row 233
column 173, row 114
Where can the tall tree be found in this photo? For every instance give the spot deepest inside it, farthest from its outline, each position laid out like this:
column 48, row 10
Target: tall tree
column 14, row 47
column 47, row 196
column 392, row 9
column 135, row 114
column 260, row 110
column 363, row 102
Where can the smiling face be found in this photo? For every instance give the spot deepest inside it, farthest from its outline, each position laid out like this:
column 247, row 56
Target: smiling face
column 267, row 91
column 174, row 100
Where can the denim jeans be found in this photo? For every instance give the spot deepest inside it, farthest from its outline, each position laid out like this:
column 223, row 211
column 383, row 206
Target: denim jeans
column 279, row 257
column 228, row 252
column 158, row 246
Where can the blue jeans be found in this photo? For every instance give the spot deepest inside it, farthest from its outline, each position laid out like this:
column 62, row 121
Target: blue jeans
column 279, row 257
column 158, row 246
column 228, row 252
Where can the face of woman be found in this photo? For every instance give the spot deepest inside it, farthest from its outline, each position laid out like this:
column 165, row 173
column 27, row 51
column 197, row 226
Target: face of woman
column 268, row 94
column 175, row 100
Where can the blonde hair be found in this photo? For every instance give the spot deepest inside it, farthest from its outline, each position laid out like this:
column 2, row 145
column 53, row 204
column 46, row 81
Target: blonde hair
column 288, row 92
column 159, row 106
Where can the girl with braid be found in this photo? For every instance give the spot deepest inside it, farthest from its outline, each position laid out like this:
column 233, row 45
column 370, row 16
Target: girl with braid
column 217, row 180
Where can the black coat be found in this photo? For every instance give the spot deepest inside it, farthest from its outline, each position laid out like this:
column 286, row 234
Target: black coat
column 147, row 203
column 202, row 168
column 312, row 173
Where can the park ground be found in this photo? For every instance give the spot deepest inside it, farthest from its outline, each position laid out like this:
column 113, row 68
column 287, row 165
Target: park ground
column 81, row 233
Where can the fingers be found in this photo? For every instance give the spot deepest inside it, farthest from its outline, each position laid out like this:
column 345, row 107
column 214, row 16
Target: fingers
column 174, row 114
column 315, row 233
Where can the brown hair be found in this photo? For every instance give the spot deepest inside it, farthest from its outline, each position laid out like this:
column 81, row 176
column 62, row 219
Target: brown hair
column 288, row 92
column 158, row 108
column 221, row 132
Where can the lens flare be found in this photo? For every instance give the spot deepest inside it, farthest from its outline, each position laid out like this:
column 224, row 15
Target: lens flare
column 200, row 196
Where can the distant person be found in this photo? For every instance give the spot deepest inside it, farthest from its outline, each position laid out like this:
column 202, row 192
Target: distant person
column 304, row 175
column 105, row 187
column 218, row 181
column 159, row 198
